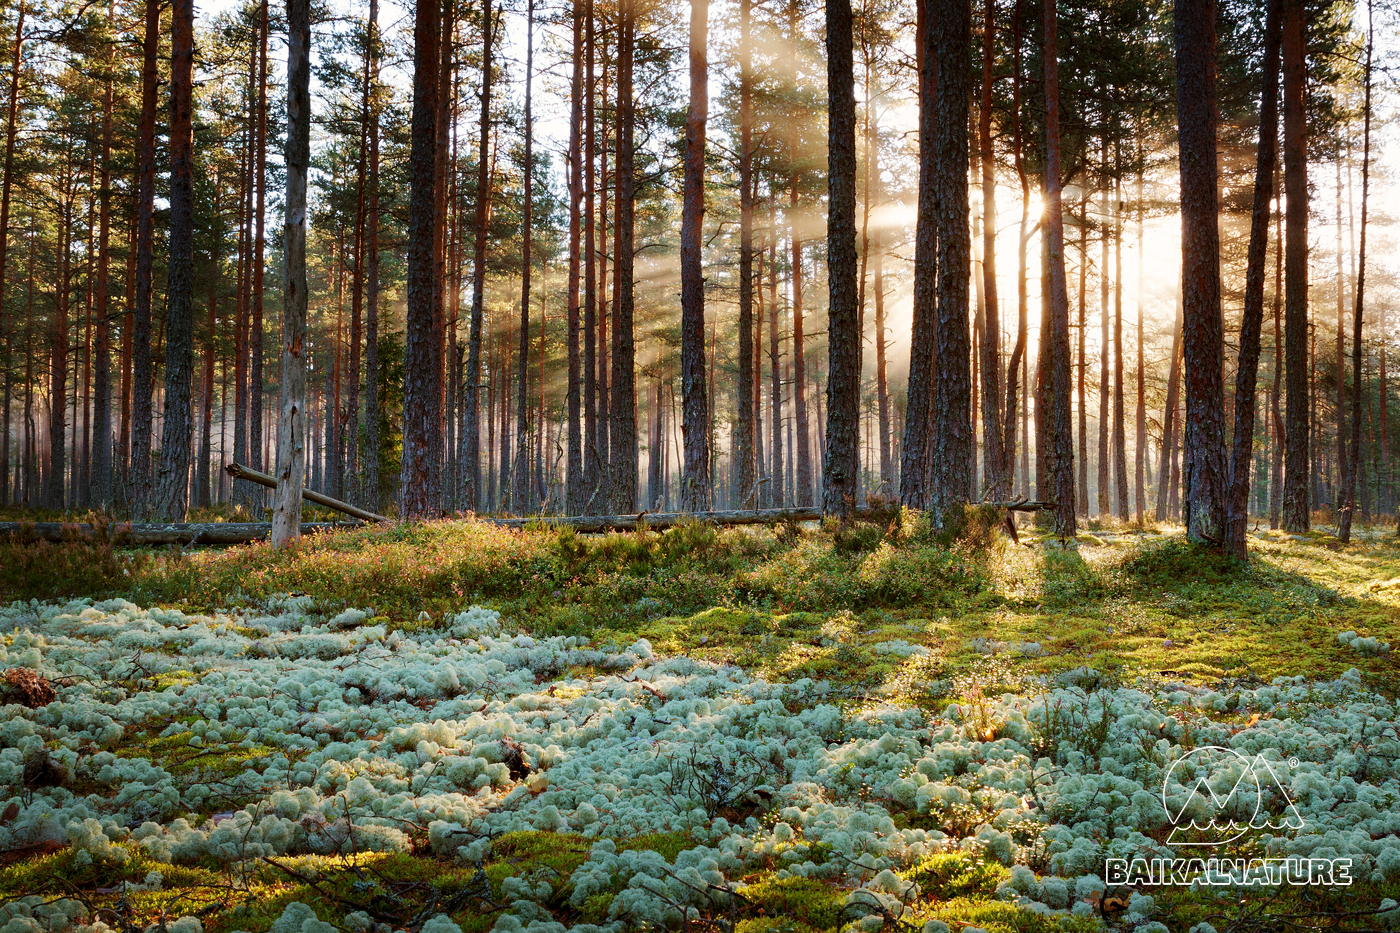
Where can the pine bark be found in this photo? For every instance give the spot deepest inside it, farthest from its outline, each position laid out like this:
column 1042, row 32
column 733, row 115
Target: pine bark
column 520, row 485
column 1297, row 516
column 695, row 400
column 1059, row 445
column 142, row 372
column 1348, row 503
column 842, row 462
column 952, row 441
column 995, row 477
column 574, row 485
column 173, row 481
column 470, row 438
column 371, row 467
column 1120, row 434
column 1251, row 326
column 102, row 388
column 257, row 454
column 622, row 428
column 420, row 469
column 7, row 339
column 743, row 453
column 913, row 486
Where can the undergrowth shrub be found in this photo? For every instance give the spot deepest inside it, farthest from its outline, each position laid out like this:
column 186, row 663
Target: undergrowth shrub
column 31, row 568
column 1171, row 563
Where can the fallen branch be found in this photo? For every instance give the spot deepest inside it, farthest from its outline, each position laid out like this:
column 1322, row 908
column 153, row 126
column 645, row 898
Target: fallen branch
column 239, row 471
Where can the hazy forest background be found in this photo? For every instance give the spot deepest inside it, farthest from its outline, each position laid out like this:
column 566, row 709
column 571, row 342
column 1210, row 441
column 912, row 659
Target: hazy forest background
column 607, row 256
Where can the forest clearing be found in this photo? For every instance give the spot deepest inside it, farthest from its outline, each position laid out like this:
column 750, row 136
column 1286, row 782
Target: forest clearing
column 901, row 465
column 455, row 725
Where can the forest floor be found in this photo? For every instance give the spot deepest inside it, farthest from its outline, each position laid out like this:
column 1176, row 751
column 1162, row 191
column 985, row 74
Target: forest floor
column 788, row 729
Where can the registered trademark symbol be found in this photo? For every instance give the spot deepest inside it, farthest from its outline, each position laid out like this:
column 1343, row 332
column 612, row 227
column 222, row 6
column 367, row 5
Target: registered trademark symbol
column 1292, row 762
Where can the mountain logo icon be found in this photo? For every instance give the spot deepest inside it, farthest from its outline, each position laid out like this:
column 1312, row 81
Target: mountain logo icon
column 1214, row 795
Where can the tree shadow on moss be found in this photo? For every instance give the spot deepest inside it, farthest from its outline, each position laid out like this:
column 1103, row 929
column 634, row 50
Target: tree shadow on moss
column 1192, row 578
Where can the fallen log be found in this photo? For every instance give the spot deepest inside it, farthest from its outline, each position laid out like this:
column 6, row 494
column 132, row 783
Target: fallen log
column 169, row 533
column 239, row 471
column 656, row 521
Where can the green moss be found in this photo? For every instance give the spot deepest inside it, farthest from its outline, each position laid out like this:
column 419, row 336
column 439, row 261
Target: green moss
column 946, row 875
column 805, row 900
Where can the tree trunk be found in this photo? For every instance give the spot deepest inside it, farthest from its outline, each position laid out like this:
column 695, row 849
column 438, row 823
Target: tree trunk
column 357, row 485
column 574, row 478
column 6, row 336
column 695, row 402
column 622, row 429
column 470, row 439
column 173, row 482
column 203, row 481
column 842, row 463
column 1082, row 376
column 1018, row 362
column 590, row 453
column 1105, row 487
column 1059, row 446
column 1140, row 468
column 953, row 444
column 1348, row 503
column 1202, row 327
column 102, row 389
column 1251, row 326
column 993, row 440
column 1120, row 435
column 371, row 467
column 291, row 423
column 1297, row 516
column 913, row 486
column 520, row 494
column 776, row 492
column 1276, row 480
column 142, row 374
column 743, row 448
column 420, row 470
column 257, row 456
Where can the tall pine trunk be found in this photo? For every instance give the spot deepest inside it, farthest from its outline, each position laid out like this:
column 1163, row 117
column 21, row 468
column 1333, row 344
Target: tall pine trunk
column 1297, row 516
column 371, row 467
column 842, row 462
column 1348, row 502
column 1251, row 327
column 743, row 449
column 574, row 485
column 695, row 401
column 953, row 448
column 7, row 340
column 173, row 481
column 993, row 439
column 913, row 475
column 622, row 429
column 142, row 373
column 470, row 438
column 1059, row 446
column 1203, row 343
column 520, row 485
column 420, row 468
